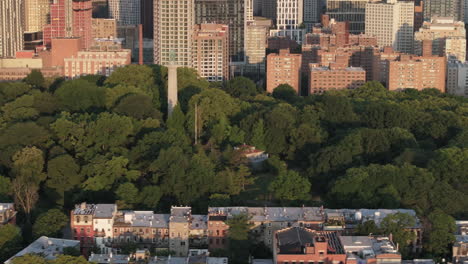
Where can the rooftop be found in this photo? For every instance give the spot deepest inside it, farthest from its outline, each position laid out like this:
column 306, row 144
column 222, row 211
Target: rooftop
column 105, row 210
column 108, row 258
column 84, row 209
column 293, row 240
column 180, row 214
column 50, row 248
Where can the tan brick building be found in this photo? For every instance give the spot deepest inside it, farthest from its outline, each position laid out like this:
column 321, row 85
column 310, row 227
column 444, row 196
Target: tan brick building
column 104, row 28
column 417, row 72
column 283, row 68
column 335, row 77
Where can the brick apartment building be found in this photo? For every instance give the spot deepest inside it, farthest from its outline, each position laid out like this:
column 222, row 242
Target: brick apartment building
column 335, row 77
column 82, row 225
column 417, row 72
column 107, row 227
column 283, row 68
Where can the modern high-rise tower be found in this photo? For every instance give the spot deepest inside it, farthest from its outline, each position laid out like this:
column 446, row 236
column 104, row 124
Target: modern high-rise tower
column 444, row 8
column 353, row 11
column 173, row 29
column 11, row 27
column 125, row 12
column 289, row 19
column 392, row 23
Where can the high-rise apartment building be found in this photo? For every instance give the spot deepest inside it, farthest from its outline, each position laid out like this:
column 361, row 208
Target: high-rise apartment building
column 353, row 11
column 289, row 19
column 392, row 23
column 417, row 72
column 61, row 21
column 82, row 21
column 283, row 68
column 233, row 13
column 211, row 51
column 11, row 27
column 447, row 35
column 444, row 8
column 173, row 29
column 36, row 15
column 125, row 12
column 457, row 78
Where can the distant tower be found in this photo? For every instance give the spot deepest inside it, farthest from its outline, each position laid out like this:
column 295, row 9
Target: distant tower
column 171, row 84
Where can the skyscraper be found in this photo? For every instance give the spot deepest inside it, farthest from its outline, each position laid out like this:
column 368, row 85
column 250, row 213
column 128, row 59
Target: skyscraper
column 353, row 11
column 444, row 8
column 36, row 14
column 312, row 12
column 289, row 18
column 173, row 29
column 391, row 22
column 147, row 19
column 82, row 21
column 126, row 12
column 233, row 13
column 11, row 27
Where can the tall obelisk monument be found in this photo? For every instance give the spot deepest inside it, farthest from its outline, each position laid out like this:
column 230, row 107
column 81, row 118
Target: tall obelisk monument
column 172, row 83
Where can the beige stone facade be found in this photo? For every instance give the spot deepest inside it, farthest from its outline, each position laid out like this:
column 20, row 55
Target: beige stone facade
column 392, row 23
column 173, row 30
column 447, row 35
column 104, row 28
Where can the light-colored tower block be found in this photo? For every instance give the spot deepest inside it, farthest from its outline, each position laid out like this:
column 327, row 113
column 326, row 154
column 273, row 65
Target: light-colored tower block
column 171, row 88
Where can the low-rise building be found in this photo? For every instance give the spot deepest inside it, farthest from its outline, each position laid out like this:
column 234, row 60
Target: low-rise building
column 47, row 247
column 460, row 247
column 368, row 249
column 96, row 62
column 7, row 213
column 82, row 225
column 252, row 154
column 297, row 244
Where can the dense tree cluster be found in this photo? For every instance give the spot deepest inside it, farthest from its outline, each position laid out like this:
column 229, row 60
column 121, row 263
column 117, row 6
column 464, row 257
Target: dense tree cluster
column 107, row 140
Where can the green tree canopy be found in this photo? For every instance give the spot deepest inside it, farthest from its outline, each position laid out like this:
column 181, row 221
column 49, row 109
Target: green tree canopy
column 241, row 87
column 80, row 95
column 50, row 223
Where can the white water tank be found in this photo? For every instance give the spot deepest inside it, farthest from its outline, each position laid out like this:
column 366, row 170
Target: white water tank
column 358, row 216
